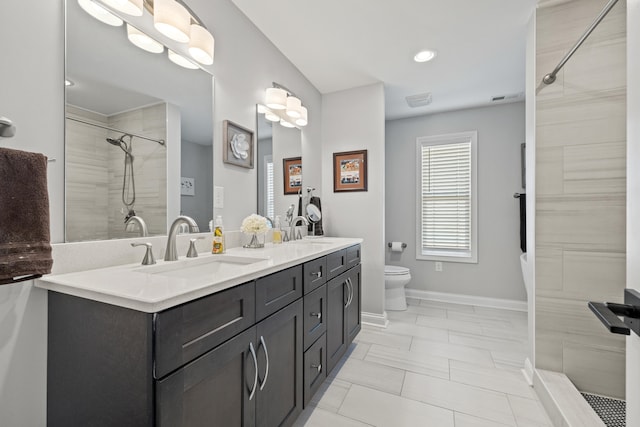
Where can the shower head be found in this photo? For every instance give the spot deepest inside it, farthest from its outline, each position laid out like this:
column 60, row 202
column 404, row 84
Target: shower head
column 120, row 143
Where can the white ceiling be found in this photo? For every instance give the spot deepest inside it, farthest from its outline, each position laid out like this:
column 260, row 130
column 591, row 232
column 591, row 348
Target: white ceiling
column 341, row 44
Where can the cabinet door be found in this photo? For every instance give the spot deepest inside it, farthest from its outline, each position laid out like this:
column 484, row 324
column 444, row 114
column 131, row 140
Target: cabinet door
column 336, row 320
column 279, row 338
column 213, row 390
column 354, row 316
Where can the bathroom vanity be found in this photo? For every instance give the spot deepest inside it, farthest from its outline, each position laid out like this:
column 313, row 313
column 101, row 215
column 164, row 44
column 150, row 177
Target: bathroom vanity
column 240, row 342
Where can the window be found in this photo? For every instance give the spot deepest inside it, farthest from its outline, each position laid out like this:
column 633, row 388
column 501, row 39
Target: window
column 446, row 225
column 269, row 200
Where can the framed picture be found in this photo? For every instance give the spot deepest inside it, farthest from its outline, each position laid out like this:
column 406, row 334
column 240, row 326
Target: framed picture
column 350, row 171
column 292, row 172
column 238, row 145
column 187, row 186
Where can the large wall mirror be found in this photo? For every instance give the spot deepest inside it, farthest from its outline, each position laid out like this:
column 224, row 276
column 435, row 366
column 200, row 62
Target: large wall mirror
column 275, row 175
column 138, row 137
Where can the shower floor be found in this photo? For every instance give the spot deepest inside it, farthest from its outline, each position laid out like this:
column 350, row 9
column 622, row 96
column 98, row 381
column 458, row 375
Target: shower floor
column 611, row 411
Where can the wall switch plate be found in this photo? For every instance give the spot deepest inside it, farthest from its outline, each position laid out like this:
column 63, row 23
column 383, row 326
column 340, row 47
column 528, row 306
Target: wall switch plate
column 218, row 197
column 438, row 266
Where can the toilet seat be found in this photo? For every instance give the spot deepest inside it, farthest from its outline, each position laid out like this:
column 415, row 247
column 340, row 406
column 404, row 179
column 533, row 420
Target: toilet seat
column 394, row 270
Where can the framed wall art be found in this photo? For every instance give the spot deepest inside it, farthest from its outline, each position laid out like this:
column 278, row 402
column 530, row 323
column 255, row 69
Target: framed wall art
column 238, row 145
column 350, row 171
column 292, row 172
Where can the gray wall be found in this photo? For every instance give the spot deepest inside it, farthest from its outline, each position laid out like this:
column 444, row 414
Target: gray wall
column 500, row 132
column 580, row 194
column 196, row 161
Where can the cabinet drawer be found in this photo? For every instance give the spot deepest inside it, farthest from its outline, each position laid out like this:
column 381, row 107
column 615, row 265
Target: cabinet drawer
column 315, row 315
column 315, row 372
column 315, row 274
column 353, row 256
column 185, row 332
column 277, row 290
column 336, row 263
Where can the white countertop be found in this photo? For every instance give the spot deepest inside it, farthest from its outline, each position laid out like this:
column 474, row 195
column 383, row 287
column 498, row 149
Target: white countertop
column 169, row 283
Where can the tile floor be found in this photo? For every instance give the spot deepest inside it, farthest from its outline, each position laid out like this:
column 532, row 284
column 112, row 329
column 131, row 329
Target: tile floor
column 437, row 364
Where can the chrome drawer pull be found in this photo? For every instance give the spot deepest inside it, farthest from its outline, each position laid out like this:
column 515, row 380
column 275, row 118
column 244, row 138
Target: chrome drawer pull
column 318, row 274
column 317, row 367
column 318, row 315
column 266, row 354
column 255, row 377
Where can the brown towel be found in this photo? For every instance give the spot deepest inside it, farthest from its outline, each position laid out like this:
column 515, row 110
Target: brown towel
column 25, row 249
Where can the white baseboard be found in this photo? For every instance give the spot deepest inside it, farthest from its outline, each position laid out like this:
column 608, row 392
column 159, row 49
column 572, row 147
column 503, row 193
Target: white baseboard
column 377, row 320
column 506, row 304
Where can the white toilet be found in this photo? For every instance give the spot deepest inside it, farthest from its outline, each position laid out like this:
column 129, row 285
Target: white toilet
column 395, row 279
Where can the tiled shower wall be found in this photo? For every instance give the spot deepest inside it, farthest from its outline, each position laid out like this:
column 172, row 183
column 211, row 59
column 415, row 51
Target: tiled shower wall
column 580, row 193
column 94, row 174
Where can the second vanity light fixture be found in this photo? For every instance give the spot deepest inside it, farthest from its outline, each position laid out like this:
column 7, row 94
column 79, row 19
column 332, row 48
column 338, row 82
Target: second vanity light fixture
column 285, row 107
column 172, row 18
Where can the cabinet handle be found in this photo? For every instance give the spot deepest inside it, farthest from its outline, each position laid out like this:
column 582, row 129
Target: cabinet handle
column 318, row 274
column 346, row 282
column 318, row 315
column 266, row 355
column 350, row 288
column 255, row 376
column 317, row 367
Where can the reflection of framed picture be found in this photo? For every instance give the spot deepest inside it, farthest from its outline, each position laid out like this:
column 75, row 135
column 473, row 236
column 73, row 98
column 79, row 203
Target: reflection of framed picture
column 187, row 186
column 292, row 171
column 238, row 145
column 350, row 171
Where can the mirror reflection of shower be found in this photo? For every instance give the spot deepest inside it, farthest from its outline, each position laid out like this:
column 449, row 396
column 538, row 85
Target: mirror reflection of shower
column 128, row 180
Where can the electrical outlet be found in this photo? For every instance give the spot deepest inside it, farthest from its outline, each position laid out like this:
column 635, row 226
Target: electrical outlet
column 218, row 197
column 438, row 266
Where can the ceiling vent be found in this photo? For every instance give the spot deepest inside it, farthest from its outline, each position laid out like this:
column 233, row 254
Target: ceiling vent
column 419, row 100
column 507, row 98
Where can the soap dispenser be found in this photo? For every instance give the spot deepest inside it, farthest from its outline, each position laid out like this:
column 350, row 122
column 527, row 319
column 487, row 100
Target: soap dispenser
column 218, row 237
column 277, row 233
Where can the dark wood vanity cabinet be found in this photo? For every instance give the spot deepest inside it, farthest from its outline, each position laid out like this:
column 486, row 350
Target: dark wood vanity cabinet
column 251, row 355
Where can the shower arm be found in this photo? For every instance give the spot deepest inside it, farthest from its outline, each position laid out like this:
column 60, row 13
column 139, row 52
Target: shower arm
column 159, row 141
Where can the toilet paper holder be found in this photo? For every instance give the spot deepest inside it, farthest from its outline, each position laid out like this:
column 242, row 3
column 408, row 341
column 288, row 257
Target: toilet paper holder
column 404, row 245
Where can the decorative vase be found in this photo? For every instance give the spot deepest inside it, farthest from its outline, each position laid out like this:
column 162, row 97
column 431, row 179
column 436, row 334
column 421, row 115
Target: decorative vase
column 254, row 242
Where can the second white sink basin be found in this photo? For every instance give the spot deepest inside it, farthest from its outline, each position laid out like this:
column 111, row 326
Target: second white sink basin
column 201, row 267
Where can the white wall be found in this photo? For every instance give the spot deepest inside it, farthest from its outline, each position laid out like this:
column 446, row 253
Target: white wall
column 500, row 133
column 196, row 163
column 286, row 144
column 354, row 120
column 32, row 95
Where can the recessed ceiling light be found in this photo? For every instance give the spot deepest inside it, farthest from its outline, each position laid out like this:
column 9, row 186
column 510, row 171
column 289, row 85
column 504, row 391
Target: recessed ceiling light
column 424, row 56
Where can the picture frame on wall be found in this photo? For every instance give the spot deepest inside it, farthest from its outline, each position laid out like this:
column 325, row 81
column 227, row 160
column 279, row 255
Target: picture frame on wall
column 292, row 173
column 350, row 171
column 238, row 145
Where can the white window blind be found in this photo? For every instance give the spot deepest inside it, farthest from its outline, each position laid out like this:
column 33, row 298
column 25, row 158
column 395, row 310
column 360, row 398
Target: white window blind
column 269, row 193
column 446, row 197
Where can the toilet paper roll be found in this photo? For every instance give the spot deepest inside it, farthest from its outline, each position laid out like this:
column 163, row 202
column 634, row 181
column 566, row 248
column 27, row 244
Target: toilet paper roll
column 396, row 246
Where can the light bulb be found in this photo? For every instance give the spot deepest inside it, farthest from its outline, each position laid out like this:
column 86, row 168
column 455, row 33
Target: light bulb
column 100, row 13
column 172, row 19
column 294, row 107
column 181, row 60
column 143, row 41
column 201, row 45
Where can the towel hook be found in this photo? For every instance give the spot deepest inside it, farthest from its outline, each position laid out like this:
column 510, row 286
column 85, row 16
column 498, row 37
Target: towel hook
column 7, row 128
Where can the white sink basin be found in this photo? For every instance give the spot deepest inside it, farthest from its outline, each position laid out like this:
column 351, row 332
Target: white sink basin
column 200, row 268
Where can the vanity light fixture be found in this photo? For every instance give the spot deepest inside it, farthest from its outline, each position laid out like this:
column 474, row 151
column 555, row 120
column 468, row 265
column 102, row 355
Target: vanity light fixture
column 172, row 19
column 130, row 7
column 201, row 44
column 100, row 13
column 181, row 60
column 302, row 120
column 425, row 55
column 284, row 106
column 143, row 41
column 276, row 98
column 294, row 107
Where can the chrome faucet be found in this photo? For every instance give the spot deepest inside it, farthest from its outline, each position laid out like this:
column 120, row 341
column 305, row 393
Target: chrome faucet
column 142, row 226
column 292, row 226
column 171, row 253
